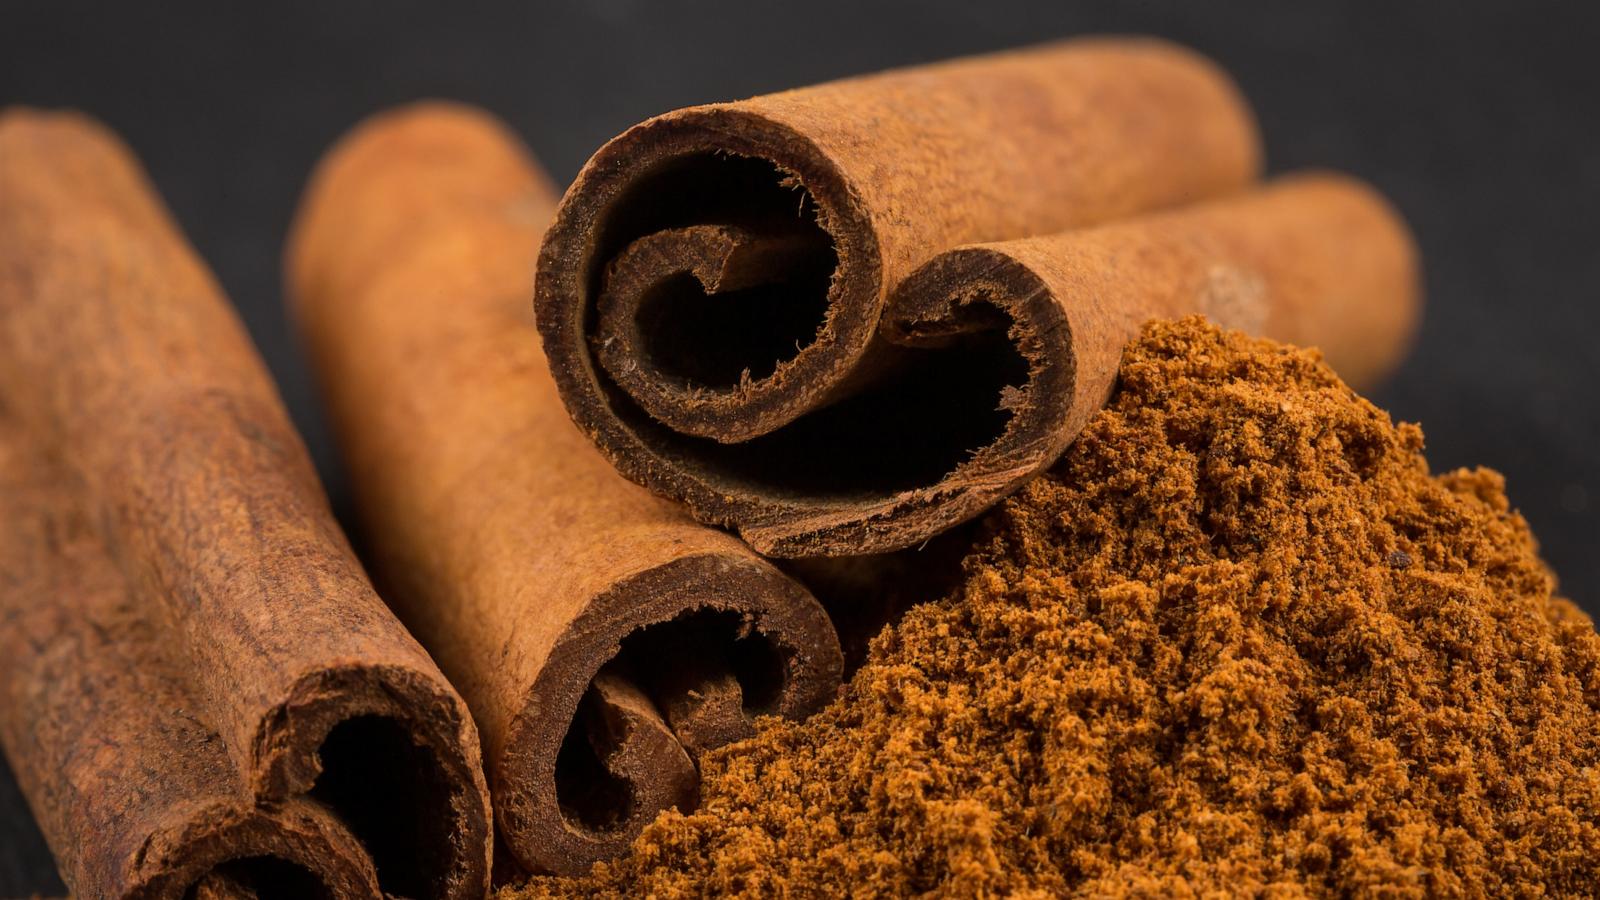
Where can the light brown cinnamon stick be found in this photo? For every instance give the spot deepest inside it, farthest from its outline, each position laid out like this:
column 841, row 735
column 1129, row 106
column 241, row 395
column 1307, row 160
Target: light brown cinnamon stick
column 602, row 638
column 724, row 294
column 712, row 291
column 226, row 642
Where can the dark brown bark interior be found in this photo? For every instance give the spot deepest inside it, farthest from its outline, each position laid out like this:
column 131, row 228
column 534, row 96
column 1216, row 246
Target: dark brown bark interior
column 593, row 797
column 715, row 340
column 261, row 878
column 392, row 795
column 937, row 406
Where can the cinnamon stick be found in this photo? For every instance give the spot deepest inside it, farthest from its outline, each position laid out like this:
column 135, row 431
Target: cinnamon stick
column 723, row 294
column 137, row 795
column 711, row 292
column 1313, row 259
column 205, row 693
column 602, row 638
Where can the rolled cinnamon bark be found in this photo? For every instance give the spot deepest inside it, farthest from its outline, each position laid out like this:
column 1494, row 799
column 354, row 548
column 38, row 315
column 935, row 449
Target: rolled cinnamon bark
column 272, row 676
column 712, row 292
column 1314, row 259
column 137, row 795
column 602, row 638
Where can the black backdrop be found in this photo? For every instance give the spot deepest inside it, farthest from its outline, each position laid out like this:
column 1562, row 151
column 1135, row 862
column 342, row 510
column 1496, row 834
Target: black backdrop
column 1481, row 121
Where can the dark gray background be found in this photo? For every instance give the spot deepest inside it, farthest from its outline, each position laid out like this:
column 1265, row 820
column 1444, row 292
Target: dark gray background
column 1480, row 120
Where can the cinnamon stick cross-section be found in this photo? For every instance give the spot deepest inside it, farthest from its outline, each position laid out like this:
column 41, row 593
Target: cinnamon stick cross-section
column 205, row 693
column 726, row 299
column 570, row 607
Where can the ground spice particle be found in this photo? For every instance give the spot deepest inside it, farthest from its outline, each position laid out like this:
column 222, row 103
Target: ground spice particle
column 1238, row 642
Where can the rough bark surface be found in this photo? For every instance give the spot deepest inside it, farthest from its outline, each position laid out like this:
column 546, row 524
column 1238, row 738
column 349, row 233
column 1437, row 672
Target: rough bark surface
column 195, row 661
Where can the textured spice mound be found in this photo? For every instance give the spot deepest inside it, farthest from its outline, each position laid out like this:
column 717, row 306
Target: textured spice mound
column 1238, row 641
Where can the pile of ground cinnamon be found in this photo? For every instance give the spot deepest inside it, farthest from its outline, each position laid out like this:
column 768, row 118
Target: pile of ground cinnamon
column 1239, row 640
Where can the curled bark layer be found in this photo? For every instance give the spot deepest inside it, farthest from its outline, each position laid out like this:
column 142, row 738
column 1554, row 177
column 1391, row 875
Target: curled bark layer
column 603, row 639
column 1314, row 259
column 192, row 576
column 712, row 293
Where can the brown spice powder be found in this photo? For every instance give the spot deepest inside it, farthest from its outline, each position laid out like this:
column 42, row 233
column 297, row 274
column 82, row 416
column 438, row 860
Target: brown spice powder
column 1239, row 641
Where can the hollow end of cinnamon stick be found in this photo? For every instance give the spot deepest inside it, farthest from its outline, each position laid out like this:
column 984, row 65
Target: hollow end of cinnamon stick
column 1316, row 259
column 275, row 729
column 712, row 643
column 774, row 342
column 604, row 640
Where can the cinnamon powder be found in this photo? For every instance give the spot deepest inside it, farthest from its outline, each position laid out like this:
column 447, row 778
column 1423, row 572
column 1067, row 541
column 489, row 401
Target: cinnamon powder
column 1238, row 641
